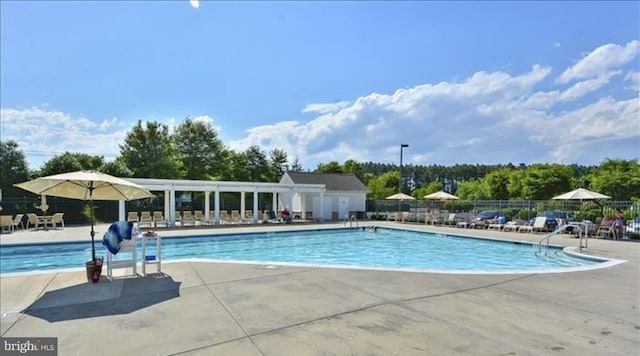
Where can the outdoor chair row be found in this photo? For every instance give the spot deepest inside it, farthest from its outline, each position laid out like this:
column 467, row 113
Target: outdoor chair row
column 10, row 224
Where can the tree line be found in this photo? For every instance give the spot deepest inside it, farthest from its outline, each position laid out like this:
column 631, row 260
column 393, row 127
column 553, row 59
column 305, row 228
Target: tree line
column 194, row 151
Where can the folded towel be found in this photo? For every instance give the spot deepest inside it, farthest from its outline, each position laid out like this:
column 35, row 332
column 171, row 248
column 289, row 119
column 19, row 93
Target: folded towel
column 118, row 231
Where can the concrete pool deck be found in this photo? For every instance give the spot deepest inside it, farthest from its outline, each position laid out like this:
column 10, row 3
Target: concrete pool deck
column 201, row 308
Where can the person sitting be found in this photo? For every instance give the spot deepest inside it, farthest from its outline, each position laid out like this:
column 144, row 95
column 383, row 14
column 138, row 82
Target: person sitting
column 285, row 215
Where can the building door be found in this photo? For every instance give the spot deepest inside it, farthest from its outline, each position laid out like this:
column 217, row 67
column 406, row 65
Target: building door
column 343, row 208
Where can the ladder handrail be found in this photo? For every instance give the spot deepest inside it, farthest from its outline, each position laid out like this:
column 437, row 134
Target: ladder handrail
column 560, row 229
column 351, row 219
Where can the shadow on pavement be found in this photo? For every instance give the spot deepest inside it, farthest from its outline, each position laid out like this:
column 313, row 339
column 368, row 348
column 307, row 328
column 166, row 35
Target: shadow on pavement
column 88, row 300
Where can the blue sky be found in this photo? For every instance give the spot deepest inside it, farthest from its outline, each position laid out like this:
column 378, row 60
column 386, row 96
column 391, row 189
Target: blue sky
column 460, row 82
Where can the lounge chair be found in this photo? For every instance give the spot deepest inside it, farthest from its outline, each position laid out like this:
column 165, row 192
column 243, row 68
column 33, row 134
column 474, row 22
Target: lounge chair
column 132, row 216
column 145, row 219
column 273, row 218
column 248, row 216
column 158, row 218
column 17, row 221
column 179, row 218
column 187, row 218
column 198, row 217
column 606, row 229
column 511, row 226
column 451, row 220
column 57, row 219
column 224, row 216
column 6, row 223
column 540, row 224
column 32, row 219
column 235, row 217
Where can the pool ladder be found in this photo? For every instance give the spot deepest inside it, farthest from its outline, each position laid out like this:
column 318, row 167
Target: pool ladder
column 582, row 228
column 351, row 220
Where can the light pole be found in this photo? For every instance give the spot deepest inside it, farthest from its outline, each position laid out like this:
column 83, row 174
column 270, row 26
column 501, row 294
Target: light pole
column 402, row 146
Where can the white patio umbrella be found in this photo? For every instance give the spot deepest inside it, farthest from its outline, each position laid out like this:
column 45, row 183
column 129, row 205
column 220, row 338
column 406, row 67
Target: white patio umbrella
column 86, row 185
column 581, row 194
column 441, row 195
column 400, row 196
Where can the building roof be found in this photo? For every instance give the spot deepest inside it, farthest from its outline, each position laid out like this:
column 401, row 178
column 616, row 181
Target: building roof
column 333, row 181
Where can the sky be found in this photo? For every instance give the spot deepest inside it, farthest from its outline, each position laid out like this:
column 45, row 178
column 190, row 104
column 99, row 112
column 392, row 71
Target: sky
column 459, row 82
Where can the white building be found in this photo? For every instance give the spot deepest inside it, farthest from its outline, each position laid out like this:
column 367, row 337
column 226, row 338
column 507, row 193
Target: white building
column 344, row 195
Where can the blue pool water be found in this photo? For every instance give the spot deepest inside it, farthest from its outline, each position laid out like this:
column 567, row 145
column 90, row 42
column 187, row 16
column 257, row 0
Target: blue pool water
column 386, row 248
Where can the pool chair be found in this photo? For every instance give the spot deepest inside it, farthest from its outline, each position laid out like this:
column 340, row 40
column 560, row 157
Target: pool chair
column 540, row 224
column 606, row 229
column 511, row 226
column 187, row 218
column 273, row 218
column 32, row 220
column 235, row 216
column 224, row 216
column 6, row 223
column 119, row 240
column 57, row 219
column 248, row 216
column 158, row 219
column 132, row 216
column 198, row 217
column 145, row 219
column 17, row 222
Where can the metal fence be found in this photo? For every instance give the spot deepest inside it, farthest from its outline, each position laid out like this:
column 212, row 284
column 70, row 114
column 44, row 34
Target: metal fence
column 514, row 209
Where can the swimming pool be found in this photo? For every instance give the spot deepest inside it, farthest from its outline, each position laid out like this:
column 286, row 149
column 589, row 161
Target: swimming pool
column 384, row 249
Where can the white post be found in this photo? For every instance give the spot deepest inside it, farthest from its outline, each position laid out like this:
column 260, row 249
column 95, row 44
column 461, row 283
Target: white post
column 172, row 207
column 322, row 205
column 207, row 205
column 255, row 206
column 121, row 210
column 274, row 203
column 216, row 204
column 167, row 205
column 242, row 207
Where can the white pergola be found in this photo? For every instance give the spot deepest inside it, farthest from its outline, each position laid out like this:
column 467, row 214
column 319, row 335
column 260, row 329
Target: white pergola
column 171, row 186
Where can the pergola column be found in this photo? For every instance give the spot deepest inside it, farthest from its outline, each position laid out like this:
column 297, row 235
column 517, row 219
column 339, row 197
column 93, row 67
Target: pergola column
column 255, row 205
column 216, row 204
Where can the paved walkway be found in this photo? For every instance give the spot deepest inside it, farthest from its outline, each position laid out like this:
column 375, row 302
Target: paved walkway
column 199, row 308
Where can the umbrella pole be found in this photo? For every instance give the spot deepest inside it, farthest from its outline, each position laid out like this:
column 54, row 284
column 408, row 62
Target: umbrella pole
column 93, row 233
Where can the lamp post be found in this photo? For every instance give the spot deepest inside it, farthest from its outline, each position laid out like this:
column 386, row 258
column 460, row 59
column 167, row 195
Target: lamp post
column 402, row 146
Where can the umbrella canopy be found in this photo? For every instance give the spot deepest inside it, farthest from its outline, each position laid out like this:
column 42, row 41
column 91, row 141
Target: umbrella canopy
column 581, row 194
column 441, row 196
column 400, row 196
column 86, row 185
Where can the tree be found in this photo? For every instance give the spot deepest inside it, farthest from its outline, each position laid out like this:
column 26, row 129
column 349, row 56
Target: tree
column 353, row 167
column 384, row 185
column 238, row 167
column 200, row 150
column 71, row 162
column 296, row 166
column 544, row 181
column 13, row 168
column 331, row 167
column 617, row 178
column 116, row 169
column 429, row 188
column 474, row 189
column 259, row 170
column 278, row 163
column 498, row 182
column 149, row 152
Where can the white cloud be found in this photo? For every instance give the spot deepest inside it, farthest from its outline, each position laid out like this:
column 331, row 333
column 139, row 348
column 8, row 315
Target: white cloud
column 601, row 60
column 325, row 108
column 587, row 86
column 488, row 117
column 634, row 78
